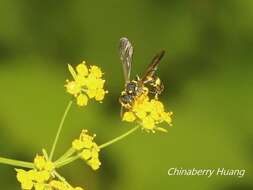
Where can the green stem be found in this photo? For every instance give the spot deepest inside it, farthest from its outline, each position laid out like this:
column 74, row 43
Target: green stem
column 67, row 154
column 61, row 178
column 118, row 138
column 66, row 161
column 16, row 162
column 45, row 153
column 59, row 130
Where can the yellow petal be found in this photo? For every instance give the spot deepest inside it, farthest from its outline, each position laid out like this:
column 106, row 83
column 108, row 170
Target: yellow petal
column 94, row 153
column 96, row 71
column 87, row 143
column 77, row 144
column 86, row 154
column 129, row 117
column 148, row 123
column 91, row 93
column 100, row 94
column 158, row 105
column 49, row 166
column 31, row 174
column 57, row 185
column 73, row 87
column 94, row 163
column 25, row 179
column 84, row 135
column 80, row 80
column 39, row 186
column 141, row 114
column 82, row 100
column 41, row 176
column 167, row 117
column 82, row 69
column 27, row 185
column 94, row 83
column 39, row 162
column 21, row 175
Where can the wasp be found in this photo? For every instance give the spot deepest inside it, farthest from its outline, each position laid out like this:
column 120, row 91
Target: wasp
column 148, row 83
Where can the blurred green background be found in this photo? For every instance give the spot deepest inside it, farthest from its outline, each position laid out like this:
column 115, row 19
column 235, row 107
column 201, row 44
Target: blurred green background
column 207, row 73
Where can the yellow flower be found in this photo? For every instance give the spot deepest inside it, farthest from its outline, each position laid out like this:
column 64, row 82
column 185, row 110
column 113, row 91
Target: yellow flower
column 86, row 154
column 167, row 117
column 94, row 151
column 148, row 123
column 55, row 184
column 94, row 83
column 148, row 113
column 86, row 139
column 87, row 149
column 129, row 117
column 73, row 88
column 82, row 100
column 32, row 178
column 36, row 177
column 140, row 113
column 96, row 71
column 91, row 93
column 94, row 163
column 77, row 144
column 82, row 69
column 39, row 186
column 39, row 162
column 49, row 166
column 100, row 94
column 41, row 178
column 87, row 83
column 24, row 178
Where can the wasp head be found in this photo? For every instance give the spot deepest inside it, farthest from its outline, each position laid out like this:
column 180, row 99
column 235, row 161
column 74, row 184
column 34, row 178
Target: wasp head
column 132, row 87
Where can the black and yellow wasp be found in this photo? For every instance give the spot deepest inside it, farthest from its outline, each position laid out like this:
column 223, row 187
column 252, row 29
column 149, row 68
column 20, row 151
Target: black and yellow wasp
column 149, row 82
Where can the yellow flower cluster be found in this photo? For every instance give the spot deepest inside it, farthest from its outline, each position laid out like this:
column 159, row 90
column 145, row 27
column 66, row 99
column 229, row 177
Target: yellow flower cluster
column 88, row 149
column 59, row 185
column 87, row 83
column 148, row 113
column 41, row 178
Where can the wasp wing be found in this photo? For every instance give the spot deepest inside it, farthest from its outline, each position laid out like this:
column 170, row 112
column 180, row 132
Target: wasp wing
column 126, row 56
column 152, row 67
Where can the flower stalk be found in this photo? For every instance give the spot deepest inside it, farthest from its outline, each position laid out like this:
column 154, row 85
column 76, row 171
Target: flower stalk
column 118, row 138
column 16, row 162
column 66, row 161
column 59, row 129
column 67, row 154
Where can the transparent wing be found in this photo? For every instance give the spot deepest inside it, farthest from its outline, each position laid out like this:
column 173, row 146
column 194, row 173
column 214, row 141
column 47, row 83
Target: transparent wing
column 152, row 67
column 126, row 55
